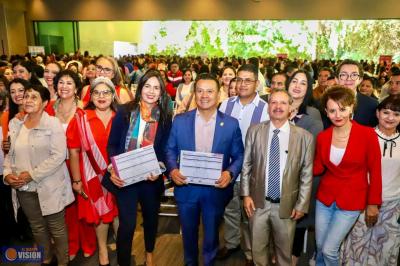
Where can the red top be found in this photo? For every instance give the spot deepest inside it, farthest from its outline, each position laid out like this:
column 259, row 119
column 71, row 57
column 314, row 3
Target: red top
column 100, row 133
column 175, row 78
column 50, row 108
column 170, row 89
column 347, row 183
column 92, row 185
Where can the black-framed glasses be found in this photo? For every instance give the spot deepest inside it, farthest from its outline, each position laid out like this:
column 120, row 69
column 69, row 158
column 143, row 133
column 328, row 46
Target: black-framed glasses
column 106, row 70
column 345, row 76
column 245, row 81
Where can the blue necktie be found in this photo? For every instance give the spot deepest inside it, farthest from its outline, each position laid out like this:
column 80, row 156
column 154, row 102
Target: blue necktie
column 274, row 186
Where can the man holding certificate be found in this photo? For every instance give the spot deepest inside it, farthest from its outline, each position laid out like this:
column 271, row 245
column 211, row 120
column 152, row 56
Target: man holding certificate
column 204, row 140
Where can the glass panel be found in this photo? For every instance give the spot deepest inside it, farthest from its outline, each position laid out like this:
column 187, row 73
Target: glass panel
column 56, row 37
column 98, row 37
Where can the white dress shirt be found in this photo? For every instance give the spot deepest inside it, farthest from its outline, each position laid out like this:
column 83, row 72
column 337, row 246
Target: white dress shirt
column 244, row 113
column 283, row 136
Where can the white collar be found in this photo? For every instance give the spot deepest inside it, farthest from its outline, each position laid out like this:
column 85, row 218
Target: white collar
column 285, row 128
column 255, row 101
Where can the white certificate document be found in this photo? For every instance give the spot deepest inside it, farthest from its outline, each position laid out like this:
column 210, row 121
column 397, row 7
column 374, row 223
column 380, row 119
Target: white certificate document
column 135, row 166
column 201, row 168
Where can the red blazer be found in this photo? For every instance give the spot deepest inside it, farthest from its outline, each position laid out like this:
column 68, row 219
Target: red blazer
column 347, row 183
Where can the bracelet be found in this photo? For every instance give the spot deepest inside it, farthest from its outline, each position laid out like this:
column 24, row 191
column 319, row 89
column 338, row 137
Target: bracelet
column 76, row 181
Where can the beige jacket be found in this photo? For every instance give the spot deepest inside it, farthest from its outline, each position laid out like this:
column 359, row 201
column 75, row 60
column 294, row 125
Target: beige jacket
column 48, row 150
column 297, row 175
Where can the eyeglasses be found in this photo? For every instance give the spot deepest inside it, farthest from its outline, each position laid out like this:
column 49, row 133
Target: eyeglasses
column 245, row 81
column 106, row 70
column 345, row 76
column 106, row 93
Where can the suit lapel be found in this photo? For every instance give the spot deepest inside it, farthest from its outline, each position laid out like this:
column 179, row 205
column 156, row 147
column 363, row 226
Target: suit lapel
column 264, row 135
column 219, row 127
column 192, row 134
column 292, row 147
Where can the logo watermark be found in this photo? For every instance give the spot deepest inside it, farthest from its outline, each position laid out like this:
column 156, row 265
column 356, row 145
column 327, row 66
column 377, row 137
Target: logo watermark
column 17, row 254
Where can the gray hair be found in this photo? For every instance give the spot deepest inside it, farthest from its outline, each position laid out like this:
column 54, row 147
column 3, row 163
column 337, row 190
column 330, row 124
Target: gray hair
column 102, row 80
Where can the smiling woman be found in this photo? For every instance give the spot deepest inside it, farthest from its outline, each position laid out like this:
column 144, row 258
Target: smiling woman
column 35, row 167
column 96, row 206
column 364, row 245
column 309, row 118
column 302, row 113
column 16, row 89
column 142, row 122
column 107, row 67
column 50, row 71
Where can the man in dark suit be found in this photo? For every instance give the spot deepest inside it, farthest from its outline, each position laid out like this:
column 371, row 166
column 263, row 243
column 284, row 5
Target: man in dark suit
column 350, row 74
column 204, row 129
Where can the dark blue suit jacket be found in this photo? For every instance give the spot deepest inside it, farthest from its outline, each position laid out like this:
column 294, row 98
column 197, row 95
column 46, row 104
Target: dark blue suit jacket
column 365, row 113
column 227, row 141
column 117, row 138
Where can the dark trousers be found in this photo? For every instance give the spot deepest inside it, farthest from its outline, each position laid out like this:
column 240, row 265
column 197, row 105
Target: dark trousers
column 9, row 227
column 202, row 203
column 7, row 222
column 298, row 241
column 148, row 195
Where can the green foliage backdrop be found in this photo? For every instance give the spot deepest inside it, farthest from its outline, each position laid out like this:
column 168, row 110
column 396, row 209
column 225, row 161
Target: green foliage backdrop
column 362, row 39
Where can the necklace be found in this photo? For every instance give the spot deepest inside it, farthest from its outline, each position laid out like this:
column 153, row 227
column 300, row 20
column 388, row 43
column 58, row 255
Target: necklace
column 341, row 138
column 65, row 115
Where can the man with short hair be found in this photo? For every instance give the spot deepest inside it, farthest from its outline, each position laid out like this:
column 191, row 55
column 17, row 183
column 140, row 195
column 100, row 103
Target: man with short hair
column 278, row 81
column 204, row 129
column 276, row 180
column 249, row 109
column 395, row 82
column 174, row 76
column 349, row 74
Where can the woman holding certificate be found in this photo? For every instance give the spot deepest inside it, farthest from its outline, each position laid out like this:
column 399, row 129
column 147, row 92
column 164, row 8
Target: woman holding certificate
column 144, row 121
column 87, row 137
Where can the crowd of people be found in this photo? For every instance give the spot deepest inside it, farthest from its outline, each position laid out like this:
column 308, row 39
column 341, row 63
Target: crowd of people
column 304, row 144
